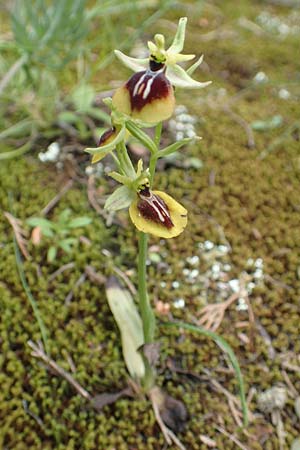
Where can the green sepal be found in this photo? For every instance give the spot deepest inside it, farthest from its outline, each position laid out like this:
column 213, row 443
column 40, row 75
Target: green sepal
column 176, row 146
column 179, row 77
column 178, row 41
column 121, row 198
column 135, row 64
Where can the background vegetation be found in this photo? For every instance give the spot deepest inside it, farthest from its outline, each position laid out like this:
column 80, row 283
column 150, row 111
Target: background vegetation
column 240, row 185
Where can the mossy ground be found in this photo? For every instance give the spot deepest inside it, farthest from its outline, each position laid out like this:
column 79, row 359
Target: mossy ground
column 256, row 204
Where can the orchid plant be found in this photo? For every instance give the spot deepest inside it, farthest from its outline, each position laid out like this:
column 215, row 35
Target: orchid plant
column 144, row 101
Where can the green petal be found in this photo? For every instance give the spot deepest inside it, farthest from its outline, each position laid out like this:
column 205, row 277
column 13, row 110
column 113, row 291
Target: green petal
column 135, row 64
column 195, row 66
column 178, row 41
column 123, row 179
column 178, row 77
column 121, row 198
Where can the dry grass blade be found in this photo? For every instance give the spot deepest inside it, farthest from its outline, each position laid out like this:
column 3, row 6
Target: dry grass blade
column 39, row 352
column 57, row 198
column 20, row 234
column 232, row 438
column 92, row 197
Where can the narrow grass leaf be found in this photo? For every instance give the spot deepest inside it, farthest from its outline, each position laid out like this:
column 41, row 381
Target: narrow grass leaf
column 229, row 352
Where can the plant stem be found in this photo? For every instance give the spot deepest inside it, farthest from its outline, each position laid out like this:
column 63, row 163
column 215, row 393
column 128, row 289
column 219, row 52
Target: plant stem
column 157, row 134
column 154, row 157
column 147, row 314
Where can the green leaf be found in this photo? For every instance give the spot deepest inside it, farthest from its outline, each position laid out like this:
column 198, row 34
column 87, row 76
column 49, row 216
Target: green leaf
column 130, row 325
column 226, row 349
column 67, row 244
column 51, row 255
column 141, row 136
column 121, row 198
column 21, row 128
column 176, row 146
column 97, row 113
column 45, row 225
column 68, row 117
column 79, row 222
column 64, row 216
column 83, row 97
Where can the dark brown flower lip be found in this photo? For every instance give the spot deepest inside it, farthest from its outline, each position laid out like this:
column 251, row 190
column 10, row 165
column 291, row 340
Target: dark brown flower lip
column 152, row 207
column 147, row 86
column 105, row 136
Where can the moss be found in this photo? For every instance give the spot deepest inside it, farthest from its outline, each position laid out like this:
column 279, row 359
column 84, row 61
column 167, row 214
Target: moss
column 254, row 202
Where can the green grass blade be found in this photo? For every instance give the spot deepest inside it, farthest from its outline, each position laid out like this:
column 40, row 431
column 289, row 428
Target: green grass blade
column 30, row 297
column 226, row 349
column 16, row 153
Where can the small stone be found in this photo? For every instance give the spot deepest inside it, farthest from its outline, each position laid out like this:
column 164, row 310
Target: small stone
column 179, row 303
column 261, row 77
column 208, row 245
column 242, row 305
column 234, row 285
column 284, row 94
column 223, row 248
column 193, row 260
column 271, row 399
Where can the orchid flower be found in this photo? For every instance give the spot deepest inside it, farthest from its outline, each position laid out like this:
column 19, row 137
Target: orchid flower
column 148, row 95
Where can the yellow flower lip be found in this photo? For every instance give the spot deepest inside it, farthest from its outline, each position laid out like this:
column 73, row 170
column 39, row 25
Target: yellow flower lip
column 172, row 223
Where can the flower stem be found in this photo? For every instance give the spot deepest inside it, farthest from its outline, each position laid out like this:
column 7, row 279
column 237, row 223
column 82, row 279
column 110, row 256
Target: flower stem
column 147, row 314
column 154, row 156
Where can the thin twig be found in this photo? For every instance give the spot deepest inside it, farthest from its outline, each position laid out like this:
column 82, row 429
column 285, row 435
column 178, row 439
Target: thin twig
column 212, row 315
column 228, row 395
column 235, row 413
column 125, row 279
column 57, row 198
column 94, row 276
column 267, row 338
column 243, row 123
column 20, row 234
column 38, row 352
column 61, row 270
column 231, row 437
column 70, row 295
column 290, row 385
column 91, row 193
column 160, row 422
